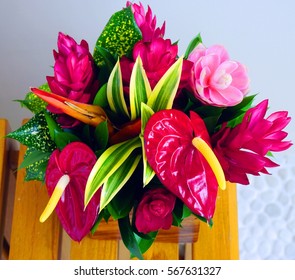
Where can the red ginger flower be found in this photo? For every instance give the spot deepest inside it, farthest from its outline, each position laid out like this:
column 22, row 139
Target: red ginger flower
column 155, row 210
column 177, row 149
column 66, row 176
column 74, row 75
column 146, row 22
column 242, row 150
column 157, row 57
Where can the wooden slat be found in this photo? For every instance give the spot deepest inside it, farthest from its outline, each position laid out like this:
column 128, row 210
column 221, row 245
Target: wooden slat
column 94, row 249
column 3, row 173
column 187, row 234
column 163, row 251
column 31, row 239
column 221, row 241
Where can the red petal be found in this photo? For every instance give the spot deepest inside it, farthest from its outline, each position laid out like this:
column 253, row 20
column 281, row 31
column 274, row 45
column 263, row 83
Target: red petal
column 180, row 167
column 76, row 160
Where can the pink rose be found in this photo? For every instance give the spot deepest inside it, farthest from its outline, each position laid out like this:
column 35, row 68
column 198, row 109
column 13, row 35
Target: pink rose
column 155, row 211
column 217, row 80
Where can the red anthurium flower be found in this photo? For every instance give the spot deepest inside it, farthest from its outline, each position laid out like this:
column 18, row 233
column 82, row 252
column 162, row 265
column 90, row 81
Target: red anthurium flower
column 242, row 150
column 177, row 149
column 66, row 176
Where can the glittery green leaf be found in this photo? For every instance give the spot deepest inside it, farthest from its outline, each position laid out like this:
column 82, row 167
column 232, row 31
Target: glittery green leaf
column 33, row 102
column 34, row 133
column 36, row 170
column 118, row 37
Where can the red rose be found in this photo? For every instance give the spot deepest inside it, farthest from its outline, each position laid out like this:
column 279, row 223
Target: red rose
column 155, row 211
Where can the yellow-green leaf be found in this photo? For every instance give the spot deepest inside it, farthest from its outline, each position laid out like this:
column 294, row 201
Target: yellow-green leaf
column 139, row 90
column 119, row 178
column 107, row 164
column 115, row 95
column 164, row 92
column 148, row 172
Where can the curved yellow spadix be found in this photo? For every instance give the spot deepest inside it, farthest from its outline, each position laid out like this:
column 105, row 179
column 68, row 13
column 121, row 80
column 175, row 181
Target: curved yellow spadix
column 212, row 160
column 55, row 197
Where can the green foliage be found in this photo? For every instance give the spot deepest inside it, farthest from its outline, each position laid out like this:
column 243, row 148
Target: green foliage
column 115, row 94
column 194, row 42
column 60, row 137
column 107, row 164
column 35, row 163
column 164, row 92
column 35, row 133
column 128, row 237
column 118, row 179
column 148, row 172
column 140, row 89
column 234, row 115
column 33, row 102
column 118, row 37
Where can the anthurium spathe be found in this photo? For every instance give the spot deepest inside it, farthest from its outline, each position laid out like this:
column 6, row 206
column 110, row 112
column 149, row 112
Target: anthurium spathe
column 66, row 177
column 171, row 141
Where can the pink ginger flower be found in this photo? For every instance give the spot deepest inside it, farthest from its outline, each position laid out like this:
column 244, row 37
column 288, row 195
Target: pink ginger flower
column 74, row 75
column 242, row 150
column 217, row 80
column 146, row 22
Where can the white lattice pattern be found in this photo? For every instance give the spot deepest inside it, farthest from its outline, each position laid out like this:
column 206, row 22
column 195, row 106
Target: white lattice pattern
column 267, row 213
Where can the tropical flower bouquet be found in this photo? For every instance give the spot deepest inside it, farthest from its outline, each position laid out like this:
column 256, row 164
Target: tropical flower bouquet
column 140, row 134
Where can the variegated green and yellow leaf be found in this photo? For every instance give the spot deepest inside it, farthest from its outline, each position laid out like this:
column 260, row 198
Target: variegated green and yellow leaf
column 139, row 90
column 119, row 178
column 107, row 164
column 164, row 92
column 115, row 95
column 148, row 172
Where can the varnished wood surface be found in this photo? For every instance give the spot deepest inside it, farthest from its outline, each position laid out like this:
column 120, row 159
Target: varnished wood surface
column 187, row 234
column 31, row 239
column 3, row 173
column 221, row 242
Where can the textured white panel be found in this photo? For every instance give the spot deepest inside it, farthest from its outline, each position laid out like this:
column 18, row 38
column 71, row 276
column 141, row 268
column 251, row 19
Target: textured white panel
column 267, row 212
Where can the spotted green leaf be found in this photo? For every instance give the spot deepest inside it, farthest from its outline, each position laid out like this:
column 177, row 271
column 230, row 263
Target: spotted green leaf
column 33, row 102
column 118, row 37
column 35, row 163
column 34, row 133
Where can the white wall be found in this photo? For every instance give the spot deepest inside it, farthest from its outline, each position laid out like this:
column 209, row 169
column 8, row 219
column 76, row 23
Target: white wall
column 260, row 34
